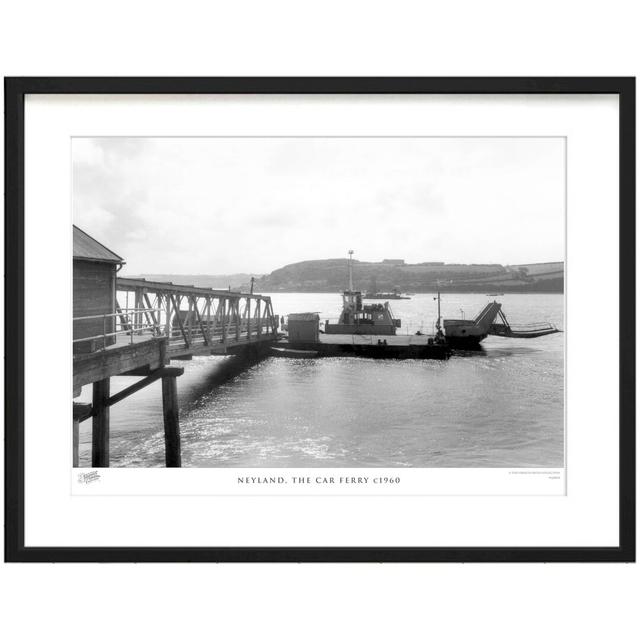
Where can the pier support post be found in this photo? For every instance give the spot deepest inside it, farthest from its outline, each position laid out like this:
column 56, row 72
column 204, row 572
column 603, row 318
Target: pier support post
column 171, row 421
column 81, row 411
column 100, row 426
column 76, row 442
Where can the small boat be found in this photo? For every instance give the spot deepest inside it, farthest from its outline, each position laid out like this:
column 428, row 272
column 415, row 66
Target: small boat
column 385, row 295
column 282, row 352
column 374, row 294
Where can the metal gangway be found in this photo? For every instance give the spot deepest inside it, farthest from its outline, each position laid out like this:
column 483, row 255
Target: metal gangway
column 189, row 320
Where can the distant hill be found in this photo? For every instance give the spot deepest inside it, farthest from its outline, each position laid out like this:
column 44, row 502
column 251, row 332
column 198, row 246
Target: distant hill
column 234, row 280
column 332, row 275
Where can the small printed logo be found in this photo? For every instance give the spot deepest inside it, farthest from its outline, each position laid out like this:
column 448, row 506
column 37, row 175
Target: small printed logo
column 88, row 477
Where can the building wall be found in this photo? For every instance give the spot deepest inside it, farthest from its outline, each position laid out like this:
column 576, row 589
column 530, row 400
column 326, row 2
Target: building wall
column 93, row 294
column 303, row 330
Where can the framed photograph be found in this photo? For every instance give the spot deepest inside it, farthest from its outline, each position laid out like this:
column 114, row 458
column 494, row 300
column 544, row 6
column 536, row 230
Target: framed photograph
column 320, row 319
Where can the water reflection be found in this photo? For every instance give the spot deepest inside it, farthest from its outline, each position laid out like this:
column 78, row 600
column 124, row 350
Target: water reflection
column 499, row 406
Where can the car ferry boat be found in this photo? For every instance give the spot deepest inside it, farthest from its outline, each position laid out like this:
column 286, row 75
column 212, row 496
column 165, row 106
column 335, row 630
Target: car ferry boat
column 365, row 330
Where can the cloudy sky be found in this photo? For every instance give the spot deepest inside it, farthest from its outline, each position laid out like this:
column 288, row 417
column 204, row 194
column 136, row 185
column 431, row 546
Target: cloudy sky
column 228, row 205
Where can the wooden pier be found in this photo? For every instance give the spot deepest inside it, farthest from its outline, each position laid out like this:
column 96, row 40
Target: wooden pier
column 141, row 327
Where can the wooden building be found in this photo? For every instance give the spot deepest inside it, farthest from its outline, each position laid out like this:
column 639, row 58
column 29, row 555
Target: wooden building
column 94, row 292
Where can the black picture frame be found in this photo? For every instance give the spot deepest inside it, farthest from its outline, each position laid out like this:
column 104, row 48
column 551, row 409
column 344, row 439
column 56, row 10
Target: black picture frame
column 15, row 91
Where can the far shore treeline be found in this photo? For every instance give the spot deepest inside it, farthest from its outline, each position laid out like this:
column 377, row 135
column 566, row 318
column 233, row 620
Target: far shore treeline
column 321, row 276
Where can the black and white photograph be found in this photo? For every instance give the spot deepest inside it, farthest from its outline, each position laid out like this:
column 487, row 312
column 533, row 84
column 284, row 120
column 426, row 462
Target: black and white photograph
column 319, row 302
column 385, row 325
column 320, row 320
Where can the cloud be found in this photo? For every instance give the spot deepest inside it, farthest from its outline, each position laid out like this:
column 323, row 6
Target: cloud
column 224, row 205
column 99, row 220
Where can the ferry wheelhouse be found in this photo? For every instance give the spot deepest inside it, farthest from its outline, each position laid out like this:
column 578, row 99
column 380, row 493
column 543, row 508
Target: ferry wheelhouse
column 356, row 317
column 359, row 318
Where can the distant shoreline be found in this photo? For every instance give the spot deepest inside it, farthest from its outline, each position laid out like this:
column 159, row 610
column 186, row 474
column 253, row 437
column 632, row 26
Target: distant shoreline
column 329, row 276
column 414, row 293
column 429, row 277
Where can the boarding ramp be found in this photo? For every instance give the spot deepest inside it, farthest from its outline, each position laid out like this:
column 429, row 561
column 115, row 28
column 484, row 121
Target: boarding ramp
column 486, row 317
column 533, row 330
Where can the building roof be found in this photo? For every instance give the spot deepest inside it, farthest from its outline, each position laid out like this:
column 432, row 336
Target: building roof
column 87, row 248
column 303, row 317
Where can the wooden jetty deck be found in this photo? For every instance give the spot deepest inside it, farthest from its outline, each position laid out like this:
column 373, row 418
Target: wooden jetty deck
column 150, row 324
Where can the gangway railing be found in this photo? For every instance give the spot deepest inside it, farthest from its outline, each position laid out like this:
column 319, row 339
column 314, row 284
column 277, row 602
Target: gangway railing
column 115, row 327
column 189, row 318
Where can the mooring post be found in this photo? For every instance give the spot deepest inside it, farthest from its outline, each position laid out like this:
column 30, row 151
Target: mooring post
column 171, row 421
column 100, row 427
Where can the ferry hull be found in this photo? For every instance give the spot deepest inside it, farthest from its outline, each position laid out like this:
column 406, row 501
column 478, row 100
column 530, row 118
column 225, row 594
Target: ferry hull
column 375, row 351
column 413, row 352
column 361, row 329
column 465, row 342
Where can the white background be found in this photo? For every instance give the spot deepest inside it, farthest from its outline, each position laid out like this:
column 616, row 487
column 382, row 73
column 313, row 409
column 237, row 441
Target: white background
column 586, row 516
column 332, row 38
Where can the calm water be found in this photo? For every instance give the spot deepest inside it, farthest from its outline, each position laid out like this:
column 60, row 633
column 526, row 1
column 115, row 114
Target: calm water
column 500, row 407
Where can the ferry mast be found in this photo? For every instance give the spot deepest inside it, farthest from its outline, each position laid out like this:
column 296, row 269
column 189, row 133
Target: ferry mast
column 439, row 320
